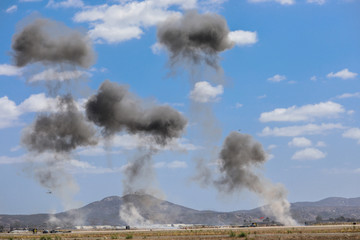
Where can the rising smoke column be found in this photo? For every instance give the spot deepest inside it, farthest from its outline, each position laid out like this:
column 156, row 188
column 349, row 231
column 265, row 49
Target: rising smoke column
column 239, row 159
column 115, row 109
column 52, row 46
column 51, row 138
column 195, row 38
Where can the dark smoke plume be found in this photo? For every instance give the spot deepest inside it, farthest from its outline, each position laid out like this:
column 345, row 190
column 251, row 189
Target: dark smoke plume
column 240, row 153
column 195, row 38
column 115, row 109
column 61, row 131
column 47, row 41
column 239, row 162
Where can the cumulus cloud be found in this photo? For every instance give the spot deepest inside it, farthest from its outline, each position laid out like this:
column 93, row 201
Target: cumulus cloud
column 127, row 20
column 9, row 70
column 308, row 154
column 293, row 131
column 277, row 78
column 300, row 142
column 308, row 112
column 203, row 92
column 10, row 112
column 242, row 38
column 353, row 133
column 65, row 4
column 343, row 74
column 282, row 2
column 11, row 9
column 349, row 95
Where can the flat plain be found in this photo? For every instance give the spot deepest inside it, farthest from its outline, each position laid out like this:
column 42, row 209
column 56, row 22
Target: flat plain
column 319, row 232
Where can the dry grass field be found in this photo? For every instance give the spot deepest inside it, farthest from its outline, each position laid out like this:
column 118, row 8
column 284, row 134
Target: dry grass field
column 258, row 233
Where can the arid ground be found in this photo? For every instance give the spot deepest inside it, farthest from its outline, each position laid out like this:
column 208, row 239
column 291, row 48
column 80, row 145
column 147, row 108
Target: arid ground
column 268, row 233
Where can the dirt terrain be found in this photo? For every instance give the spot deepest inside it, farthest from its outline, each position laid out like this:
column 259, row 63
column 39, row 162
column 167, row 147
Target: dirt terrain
column 258, row 233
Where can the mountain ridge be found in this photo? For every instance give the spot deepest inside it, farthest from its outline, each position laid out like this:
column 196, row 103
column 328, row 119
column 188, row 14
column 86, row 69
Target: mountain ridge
column 142, row 209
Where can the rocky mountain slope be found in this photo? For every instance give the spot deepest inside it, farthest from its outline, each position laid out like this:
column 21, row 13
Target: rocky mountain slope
column 142, row 209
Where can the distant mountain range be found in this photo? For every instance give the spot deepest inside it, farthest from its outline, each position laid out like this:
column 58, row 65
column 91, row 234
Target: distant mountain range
column 137, row 209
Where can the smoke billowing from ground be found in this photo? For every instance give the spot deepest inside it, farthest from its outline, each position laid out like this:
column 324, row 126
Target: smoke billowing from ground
column 47, row 41
column 195, row 38
column 239, row 162
column 51, row 138
column 115, row 109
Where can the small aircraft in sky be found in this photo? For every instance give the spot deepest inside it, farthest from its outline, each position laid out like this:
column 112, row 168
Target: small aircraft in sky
column 49, row 192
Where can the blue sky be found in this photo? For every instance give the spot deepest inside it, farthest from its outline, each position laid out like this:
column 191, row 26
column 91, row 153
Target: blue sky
column 291, row 81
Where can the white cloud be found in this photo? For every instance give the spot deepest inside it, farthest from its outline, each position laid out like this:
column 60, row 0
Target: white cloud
column 308, row 154
column 125, row 21
column 11, row 160
column 353, row 133
column 129, row 19
column 300, row 142
column 172, row 165
column 313, row 78
column 53, row 75
column 293, row 131
column 38, row 103
column 9, row 70
column 10, row 112
column 30, row 0
column 262, row 96
column 97, row 151
column 349, row 95
column 343, row 74
column 277, row 78
column 321, row 144
column 65, row 4
column 319, row 2
column 282, row 2
column 203, row 92
column 242, row 38
column 304, row 113
column 271, row 146
column 131, row 142
column 11, row 9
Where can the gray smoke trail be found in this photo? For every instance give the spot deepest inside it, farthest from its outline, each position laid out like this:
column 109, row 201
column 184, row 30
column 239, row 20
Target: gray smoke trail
column 239, row 161
column 115, row 109
column 195, row 38
column 51, row 138
column 47, row 41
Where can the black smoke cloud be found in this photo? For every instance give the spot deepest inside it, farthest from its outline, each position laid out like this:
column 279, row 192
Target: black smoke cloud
column 61, row 131
column 195, row 38
column 115, row 109
column 47, row 41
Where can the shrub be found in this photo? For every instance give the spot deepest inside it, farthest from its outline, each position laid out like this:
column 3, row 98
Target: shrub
column 242, row 234
column 129, row 237
column 232, row 234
